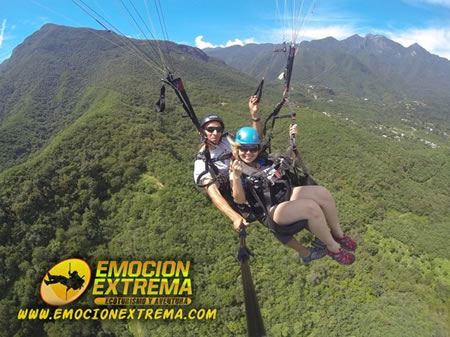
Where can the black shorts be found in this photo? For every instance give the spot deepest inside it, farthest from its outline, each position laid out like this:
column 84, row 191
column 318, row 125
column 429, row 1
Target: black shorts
column 285, row 233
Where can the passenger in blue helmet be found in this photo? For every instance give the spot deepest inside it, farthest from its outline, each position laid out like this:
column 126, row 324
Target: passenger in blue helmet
column 310, row 206
column 212, row 173
column 247, row 147
column 247, row 136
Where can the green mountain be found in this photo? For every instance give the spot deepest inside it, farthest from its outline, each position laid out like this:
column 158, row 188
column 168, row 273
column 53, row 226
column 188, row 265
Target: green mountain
column 89, row 170
column 54, row 75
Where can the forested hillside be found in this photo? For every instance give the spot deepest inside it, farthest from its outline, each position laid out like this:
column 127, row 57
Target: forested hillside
column 91, row 171
column 45, row 86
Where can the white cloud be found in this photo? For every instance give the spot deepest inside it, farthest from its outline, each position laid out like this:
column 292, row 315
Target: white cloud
column 199, row 43
column 437, row 2
column 238, row 42
column 338, row 32
column 311, row 33
column 2, row 31
column 435, row 40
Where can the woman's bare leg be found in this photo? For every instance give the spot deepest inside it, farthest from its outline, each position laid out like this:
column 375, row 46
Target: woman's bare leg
column 292, row 211
column 325, row 200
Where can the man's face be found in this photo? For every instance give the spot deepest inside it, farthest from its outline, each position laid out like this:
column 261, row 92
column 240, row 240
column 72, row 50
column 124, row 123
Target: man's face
column 213, row 131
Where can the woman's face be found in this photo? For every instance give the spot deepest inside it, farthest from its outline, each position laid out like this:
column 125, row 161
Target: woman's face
column 214, row 131
column 248, row 153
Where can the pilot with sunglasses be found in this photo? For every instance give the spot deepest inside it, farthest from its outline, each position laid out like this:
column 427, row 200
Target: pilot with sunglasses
column 215, row 179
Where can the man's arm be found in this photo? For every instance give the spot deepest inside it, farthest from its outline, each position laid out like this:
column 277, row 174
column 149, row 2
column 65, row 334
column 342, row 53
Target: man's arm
column 223, row 206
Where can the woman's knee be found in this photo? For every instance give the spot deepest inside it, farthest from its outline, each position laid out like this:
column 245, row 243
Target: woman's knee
column 324, row 195
column 312, row 209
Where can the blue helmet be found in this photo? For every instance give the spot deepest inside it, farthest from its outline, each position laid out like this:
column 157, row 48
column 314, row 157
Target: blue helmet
column 247, row 136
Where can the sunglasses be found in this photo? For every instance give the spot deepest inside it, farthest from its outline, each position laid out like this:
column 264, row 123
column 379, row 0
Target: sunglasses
column 211, row 129
column 251, row 149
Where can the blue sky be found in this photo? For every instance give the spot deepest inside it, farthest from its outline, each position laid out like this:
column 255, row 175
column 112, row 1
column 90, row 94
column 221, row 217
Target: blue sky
column 209, row 23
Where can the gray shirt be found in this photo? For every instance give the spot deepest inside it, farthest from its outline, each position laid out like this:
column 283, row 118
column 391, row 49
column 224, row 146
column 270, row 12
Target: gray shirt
column 223, row 148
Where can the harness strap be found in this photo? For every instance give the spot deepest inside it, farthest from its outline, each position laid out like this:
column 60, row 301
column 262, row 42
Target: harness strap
column 255, row 324
column 222, row 157
column 160, row 106
column 287, row 74
column 177, row 85
column 209, row 163
column 290, row 229
column 259, row 90
column 267, row 203
column 272, row 116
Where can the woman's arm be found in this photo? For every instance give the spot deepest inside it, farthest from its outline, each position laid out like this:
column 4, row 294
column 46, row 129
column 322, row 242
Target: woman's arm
column 253, row 107
column 237, row 189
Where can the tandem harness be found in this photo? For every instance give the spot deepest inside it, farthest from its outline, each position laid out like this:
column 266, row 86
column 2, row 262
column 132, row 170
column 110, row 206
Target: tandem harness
column 282, row 171
column 210, row 166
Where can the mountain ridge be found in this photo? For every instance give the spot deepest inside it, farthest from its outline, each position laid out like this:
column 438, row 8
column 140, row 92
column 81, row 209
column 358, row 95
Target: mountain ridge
column 369, row 66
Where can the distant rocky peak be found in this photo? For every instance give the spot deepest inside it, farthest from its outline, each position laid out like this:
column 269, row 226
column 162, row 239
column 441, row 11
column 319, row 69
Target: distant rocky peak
column 196, row 52
column 379, row 40
column 415, row 49
column 328, row 42
column 354, row 41
column 382, row 45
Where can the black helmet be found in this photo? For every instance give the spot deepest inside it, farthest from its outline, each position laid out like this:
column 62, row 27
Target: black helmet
column 211, row 118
